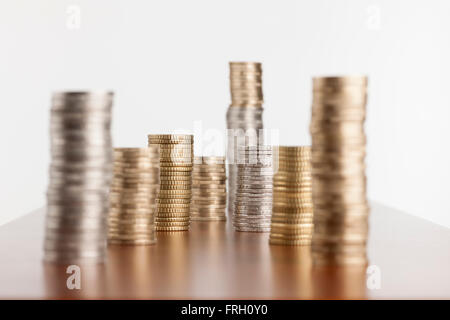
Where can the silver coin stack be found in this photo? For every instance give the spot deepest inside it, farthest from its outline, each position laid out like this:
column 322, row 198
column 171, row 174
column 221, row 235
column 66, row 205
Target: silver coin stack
column 244, row 117
column 253, row 205
column 80, row 176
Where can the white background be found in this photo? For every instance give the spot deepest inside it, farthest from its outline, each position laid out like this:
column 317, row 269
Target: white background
column 167, row 61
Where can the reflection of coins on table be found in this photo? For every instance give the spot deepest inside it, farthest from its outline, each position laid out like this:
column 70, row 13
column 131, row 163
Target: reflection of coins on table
column 79, row 177
column 338, row 169
column 176, row 163
column 133, row 195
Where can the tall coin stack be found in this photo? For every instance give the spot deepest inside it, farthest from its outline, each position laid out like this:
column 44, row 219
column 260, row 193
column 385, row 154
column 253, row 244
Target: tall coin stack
column 339, row 183
column 80, row 176
column 244, row 117
column 134, row 189
column 253, row 206
column 209, row 193
column 176, row 162
column 292, row 213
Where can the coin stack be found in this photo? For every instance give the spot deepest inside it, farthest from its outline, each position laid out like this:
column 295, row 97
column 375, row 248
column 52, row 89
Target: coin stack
column 134, row 189
column 244, row 117
column 176, row 162
column 80, row 176
column 339, row 183
column 209, row 193
column 292, row 212
column 253, row 206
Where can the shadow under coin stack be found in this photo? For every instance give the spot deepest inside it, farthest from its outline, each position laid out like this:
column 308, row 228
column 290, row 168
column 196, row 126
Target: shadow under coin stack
column 339, row 183
column 253, row 206
column 80, row 176
column 292, row 213
column 133, row 195
column 209, row 192
column 176, row 162
column 244, row 117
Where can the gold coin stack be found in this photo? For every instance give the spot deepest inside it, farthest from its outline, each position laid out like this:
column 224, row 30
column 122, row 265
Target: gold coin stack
column 209, row 193
column 133, row 195
column 292, row 211
column 176, row 164
column 339, row 183
column 246, row 84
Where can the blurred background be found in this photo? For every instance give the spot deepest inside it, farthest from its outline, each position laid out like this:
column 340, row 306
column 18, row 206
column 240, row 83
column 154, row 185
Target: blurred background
column 167, row 61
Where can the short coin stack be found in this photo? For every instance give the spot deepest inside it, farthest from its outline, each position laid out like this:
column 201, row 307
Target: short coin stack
column 133, row 195
column 292, row 214
column 339, row 183
column 253, row 206
column 176, row 162
column 80, row 176
column 209, row 193
column 244, row 117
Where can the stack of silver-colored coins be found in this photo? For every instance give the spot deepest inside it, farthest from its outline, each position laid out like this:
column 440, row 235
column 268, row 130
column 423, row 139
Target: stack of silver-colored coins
column 80, row 176
column 339, row 182
column 209, row 191
column 134, row 189
column 176, row 162
column 244, row 117
column 253, row 206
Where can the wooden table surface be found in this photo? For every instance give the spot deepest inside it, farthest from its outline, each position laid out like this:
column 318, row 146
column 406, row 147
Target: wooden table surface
column 214, row 262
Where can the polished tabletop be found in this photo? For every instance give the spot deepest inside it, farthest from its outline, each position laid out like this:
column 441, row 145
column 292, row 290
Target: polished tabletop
column 410, row 255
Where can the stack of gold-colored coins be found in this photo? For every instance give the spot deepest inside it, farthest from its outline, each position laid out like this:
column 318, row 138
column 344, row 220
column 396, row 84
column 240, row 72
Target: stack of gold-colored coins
column 176, row 164
column 244, row 117
column 209, row 193
column 292, row 211
column 339, row 183
column 133, row 195
column 246, row 84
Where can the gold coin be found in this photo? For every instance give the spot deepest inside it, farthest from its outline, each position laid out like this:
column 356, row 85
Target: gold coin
column 172, row 136
column 173, row 215
column 173, row 210
column 170, row 229
column 215, row 218
column 173, row 201
column 172, row 219
column 165, row 224
column 289, row 242
column 132, row 242
column 305, row 236
column 175, row 170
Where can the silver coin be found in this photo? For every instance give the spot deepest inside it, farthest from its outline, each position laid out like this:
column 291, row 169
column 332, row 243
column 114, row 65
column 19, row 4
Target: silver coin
column 252, row 229
column 246, row 168
column 74, row 254
column 78, row 120
column 75, row 202
column 254, row 185
column 75, row 222
column 75, row 235
column 70, row 100
column 254, row 211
